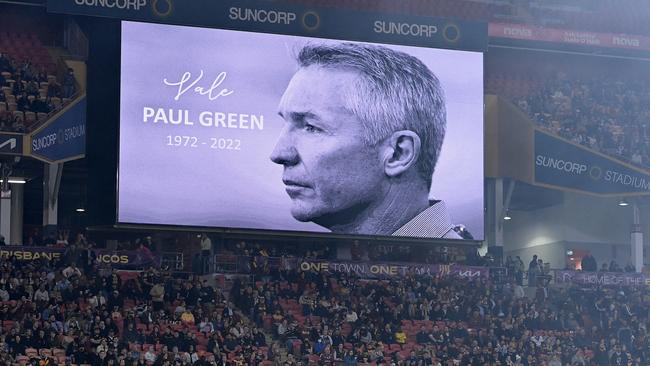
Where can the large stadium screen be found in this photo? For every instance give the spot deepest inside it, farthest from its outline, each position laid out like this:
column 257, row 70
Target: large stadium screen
column 233, row 129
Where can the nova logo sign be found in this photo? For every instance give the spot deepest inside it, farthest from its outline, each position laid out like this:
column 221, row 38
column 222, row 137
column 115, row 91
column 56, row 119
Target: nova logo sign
column 625, row 41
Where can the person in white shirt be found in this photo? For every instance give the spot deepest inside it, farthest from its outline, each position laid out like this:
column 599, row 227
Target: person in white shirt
column 537, row 339
column 41, row 294
column 4, row 294
column 70, row 271
column 518, row 291
column 192, row 356
column 96, row 300
column 150, row 355
column 206, row 251
column 351, row 316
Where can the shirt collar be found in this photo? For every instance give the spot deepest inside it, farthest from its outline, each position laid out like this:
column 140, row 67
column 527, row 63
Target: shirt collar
column 434, row 222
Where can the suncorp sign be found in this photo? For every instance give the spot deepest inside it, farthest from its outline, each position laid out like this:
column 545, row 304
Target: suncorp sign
column 64, row 138
column 118, row 4
column 291, row 19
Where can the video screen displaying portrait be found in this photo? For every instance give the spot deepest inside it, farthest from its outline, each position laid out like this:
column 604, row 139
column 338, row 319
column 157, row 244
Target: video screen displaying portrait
column 232, row 129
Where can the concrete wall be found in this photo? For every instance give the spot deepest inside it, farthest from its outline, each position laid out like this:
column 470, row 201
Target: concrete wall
column 534, row 232
column 581, row 222
column 552, row 253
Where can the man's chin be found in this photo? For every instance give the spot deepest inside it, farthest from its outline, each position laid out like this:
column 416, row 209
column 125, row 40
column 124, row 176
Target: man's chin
column 304, row 213
column 302, row 216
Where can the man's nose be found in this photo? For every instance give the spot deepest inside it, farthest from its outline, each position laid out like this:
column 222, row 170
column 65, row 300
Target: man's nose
column 285, row 152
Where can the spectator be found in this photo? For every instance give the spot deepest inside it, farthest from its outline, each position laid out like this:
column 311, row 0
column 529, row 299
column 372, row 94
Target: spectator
column 40, row 106
column 150, row 355
column 588, row 263
column 69, row 84
column 19, row 87
column 519, row 270
column 187, row 317
column 400, row 337
column 41, row 77
column 22, row 102
column 327, row 357
column 157, row 294
column 5, row 63
column 32, row 88
column 206, row 252
column 533, row 271
column 54, row 90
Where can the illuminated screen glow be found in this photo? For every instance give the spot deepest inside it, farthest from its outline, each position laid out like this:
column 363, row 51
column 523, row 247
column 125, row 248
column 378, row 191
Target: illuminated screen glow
column 227, row 129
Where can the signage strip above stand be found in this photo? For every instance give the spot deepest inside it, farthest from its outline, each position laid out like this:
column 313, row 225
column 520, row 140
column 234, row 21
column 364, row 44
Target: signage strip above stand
column 296, row 20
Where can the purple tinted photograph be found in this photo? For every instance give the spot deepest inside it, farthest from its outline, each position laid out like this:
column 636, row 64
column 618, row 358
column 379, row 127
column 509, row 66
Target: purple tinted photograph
column 247, row 130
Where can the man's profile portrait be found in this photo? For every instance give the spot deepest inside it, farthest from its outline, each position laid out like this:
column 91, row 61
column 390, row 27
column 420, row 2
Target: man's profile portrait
column 364, row 126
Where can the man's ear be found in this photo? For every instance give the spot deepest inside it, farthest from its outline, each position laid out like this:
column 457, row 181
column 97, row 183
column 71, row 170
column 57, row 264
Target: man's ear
column 402, row 150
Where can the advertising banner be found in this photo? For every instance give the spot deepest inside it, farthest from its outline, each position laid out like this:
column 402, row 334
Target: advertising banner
column 602, row 278
column 233, row 129
column 22, row 253
column 64, row 137
column 262, row 16
column 387, row 270
column 119, row 259
column 565, row 165
column 126, row 259
column 581, row 38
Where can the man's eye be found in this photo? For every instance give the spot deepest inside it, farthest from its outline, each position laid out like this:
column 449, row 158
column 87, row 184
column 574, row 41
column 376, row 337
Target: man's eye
column 311, row 128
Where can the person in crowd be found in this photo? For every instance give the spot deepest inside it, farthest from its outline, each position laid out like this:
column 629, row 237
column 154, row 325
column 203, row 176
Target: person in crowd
column 533, row 271
column 69, row 84
column 41, row 77
column 5, row 63
column 19, row 86
column 54, row 90
column 22, row 102
column 206, row 252
column 39, row 105
column 588, row 263
column 32, row 88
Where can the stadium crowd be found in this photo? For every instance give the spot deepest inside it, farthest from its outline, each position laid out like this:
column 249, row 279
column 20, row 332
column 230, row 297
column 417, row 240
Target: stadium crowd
column 425, row 320
column 606, row 114
column 76, row 311
column 28, row 93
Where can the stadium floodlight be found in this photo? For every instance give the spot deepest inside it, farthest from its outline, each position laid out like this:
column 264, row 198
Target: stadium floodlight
column 623, row 203
column 81, row 209
column 507, row 217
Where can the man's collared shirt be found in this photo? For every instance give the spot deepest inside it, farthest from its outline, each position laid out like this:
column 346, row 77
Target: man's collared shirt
column 434, row 222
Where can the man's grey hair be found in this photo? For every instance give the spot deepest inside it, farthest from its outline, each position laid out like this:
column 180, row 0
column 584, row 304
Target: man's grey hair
column 396, row 92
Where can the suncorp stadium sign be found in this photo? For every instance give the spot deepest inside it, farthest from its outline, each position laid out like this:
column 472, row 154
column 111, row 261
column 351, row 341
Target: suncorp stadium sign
column 562, row 164
column 63, row 138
